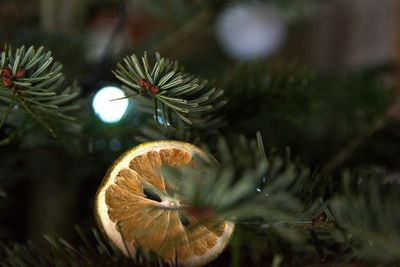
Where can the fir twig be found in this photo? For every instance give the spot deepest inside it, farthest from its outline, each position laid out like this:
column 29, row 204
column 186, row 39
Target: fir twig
column 190, row 27
column 236, row 188
column 345, row 152
column 32, row 80
column 177, row 95
column 60, row 253
column 368, row 212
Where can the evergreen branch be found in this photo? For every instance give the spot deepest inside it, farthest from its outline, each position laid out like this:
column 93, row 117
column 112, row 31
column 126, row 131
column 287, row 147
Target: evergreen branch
column 369, row 214
column 348, row 150
column 178, row 95
column 294, row 11
column 270, row 193
column 313, row 113
column 186, row 30
column 31, row 79
column 243, row 186
column 4, row 116
column 37, row 117
column 60, row 253
column 151, row 132
column 14, row 134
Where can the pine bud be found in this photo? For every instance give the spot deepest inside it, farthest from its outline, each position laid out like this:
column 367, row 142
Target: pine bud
column 20, row 73
column 7, row 82
column 6, row 72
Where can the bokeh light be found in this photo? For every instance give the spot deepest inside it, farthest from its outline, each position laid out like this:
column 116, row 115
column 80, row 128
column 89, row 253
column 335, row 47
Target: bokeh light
column 248, row 31
column 108, row 105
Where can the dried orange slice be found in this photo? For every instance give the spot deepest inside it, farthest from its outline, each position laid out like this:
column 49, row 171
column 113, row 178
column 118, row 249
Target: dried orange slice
column 134, row 207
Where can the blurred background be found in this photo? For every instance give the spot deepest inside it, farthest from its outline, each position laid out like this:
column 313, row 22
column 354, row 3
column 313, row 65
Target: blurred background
column 313, row 75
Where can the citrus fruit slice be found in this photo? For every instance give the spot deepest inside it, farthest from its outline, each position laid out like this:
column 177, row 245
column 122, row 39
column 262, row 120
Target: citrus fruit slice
column 134, row 207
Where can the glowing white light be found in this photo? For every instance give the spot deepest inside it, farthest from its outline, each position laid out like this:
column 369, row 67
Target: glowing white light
column 248, row 31
column 107, row 105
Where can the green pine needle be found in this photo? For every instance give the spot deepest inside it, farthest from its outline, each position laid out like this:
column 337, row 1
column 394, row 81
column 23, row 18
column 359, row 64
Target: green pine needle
column 93, row 251
column 33, row 82
column 230, row 187
column 177, row 95
column 369, row 214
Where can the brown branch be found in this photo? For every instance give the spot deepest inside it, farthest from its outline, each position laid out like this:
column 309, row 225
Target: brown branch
column 355, row 143
column 180, row 35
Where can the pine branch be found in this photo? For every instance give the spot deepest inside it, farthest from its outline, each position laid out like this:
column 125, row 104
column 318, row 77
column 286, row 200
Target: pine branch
column 177, row 95
column 295, row 11
column 313, row 113
column 269, row 193
column 189, row 27
column 60, row 253
column 278, row 93
column 369, row 214
column 355, row 143
column 151, row 132
column 32, row 82
column 245, row 185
